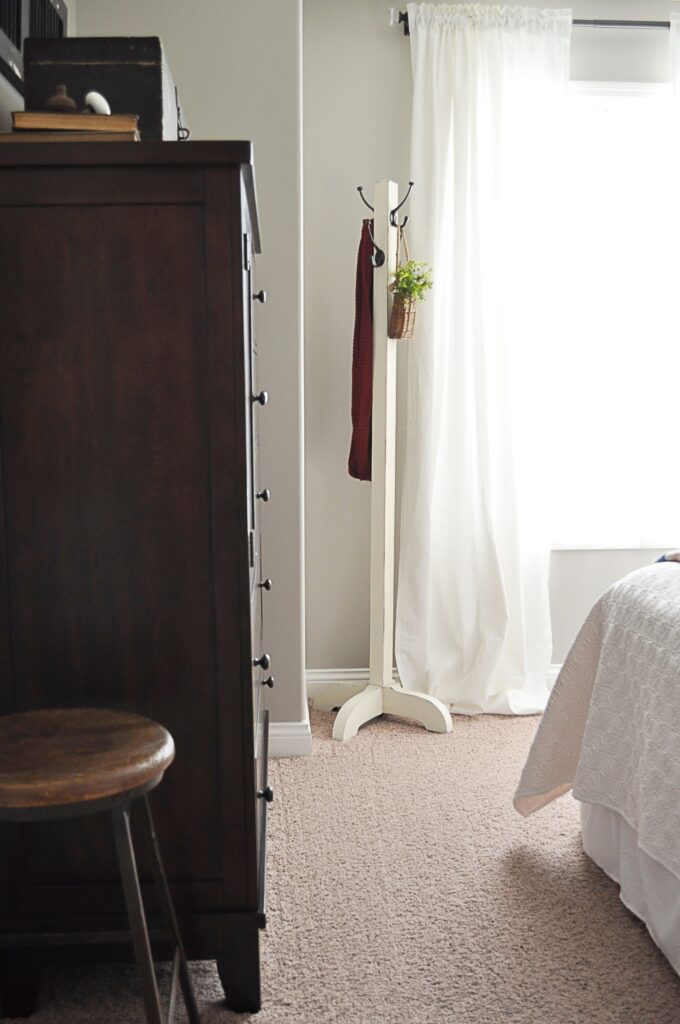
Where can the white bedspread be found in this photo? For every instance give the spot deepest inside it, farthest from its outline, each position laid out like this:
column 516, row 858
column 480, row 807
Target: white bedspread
column 611, row 730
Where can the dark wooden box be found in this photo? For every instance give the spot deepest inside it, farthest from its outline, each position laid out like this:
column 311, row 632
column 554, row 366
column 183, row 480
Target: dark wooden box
column 130, row 72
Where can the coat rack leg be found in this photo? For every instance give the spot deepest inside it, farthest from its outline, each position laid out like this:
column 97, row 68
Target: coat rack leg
column 391, row 700
column 420, row 707
column 357, row 711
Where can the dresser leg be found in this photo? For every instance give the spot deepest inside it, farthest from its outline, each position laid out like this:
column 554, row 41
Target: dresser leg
column 19, row 985
column 238, row 966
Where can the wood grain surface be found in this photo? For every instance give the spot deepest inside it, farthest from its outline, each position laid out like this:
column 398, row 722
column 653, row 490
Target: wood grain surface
column 66, row 756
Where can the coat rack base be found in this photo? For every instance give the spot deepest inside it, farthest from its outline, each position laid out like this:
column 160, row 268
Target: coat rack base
column 372, row 701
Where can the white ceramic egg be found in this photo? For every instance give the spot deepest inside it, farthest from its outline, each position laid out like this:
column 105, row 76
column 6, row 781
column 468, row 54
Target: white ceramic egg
column 95, row 102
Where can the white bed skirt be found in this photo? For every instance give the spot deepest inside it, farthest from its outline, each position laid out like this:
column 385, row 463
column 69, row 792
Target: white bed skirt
column 647, row 888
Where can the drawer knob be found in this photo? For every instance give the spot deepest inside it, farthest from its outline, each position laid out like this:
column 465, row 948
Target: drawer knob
column 265, row 584
column 264, row 495
column 264, row 661
column 260, row 296
column 262, row 398
column 269, row 681
column 266, row 794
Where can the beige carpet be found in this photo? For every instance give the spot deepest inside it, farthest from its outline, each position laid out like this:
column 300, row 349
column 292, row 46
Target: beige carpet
column 404, row 889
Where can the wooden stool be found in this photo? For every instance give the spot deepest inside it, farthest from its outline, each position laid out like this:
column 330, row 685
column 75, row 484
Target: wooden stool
column 69, row 763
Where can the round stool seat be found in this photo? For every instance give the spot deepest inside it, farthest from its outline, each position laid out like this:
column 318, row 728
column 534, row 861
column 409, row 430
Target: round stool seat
column 55, row 758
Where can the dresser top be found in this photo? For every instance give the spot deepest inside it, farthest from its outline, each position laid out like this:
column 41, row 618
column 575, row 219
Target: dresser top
column 112, row 154
column 50, row 155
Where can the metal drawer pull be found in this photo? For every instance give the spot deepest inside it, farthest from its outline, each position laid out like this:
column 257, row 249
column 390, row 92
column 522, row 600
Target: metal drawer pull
column 266, row 794
column 269, row 681
column 262, row 397
column 264, row 662
column 264, row 495
column 260, row 296
column 265, row 584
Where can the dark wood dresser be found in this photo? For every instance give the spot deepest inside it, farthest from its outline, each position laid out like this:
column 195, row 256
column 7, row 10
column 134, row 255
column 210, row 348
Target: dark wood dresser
column 129, row 569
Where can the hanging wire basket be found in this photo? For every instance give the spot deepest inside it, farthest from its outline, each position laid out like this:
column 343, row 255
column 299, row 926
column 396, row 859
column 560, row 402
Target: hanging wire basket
column 402, row 318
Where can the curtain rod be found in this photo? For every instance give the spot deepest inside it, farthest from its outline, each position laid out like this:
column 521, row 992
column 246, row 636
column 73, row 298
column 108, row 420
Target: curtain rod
column 578, row 22
column 595, row 23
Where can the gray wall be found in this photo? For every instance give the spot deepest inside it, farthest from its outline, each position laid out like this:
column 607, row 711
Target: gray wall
column 237, row 67
column 357, row 109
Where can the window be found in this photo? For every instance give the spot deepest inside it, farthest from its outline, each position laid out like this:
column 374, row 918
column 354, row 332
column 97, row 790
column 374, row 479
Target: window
column 613, row 403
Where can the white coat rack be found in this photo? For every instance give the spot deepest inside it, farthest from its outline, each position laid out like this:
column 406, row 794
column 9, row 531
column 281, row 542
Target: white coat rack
column 382, row 695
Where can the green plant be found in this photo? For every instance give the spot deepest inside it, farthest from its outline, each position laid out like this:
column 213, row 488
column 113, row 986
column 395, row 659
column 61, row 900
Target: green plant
column 412, row 279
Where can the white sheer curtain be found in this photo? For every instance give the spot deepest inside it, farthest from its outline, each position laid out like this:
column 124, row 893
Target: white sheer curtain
column 473, row 624
column 616, row 348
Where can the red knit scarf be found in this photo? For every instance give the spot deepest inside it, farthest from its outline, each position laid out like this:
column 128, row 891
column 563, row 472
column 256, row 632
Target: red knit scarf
column 359, row 464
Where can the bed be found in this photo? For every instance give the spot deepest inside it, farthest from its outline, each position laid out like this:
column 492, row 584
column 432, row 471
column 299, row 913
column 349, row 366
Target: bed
column 611, row 734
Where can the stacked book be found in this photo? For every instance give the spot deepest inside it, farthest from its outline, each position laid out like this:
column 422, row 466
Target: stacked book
column 48, row 126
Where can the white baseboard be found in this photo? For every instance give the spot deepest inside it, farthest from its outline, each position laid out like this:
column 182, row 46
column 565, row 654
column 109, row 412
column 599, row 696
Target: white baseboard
column 317, row 678
column 290, row 739
column 357, row 678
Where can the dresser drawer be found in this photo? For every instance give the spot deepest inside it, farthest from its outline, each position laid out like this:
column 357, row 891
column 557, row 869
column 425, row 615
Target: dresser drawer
column 262, row 662
column 264, row 798
column 258, row 650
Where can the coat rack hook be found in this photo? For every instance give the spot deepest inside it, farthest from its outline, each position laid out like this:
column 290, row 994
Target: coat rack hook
column 393, row 213
column 378, row 257
column 360, row 190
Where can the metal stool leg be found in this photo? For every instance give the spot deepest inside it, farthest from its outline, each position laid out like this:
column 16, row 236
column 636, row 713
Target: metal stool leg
column 135, row 910
column 170, row 917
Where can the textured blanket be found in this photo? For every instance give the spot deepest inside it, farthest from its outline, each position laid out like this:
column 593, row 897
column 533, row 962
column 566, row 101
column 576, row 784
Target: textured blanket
column 611, row 730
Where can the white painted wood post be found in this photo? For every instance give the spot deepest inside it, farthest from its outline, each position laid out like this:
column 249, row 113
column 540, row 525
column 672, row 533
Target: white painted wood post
column 384, row 452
